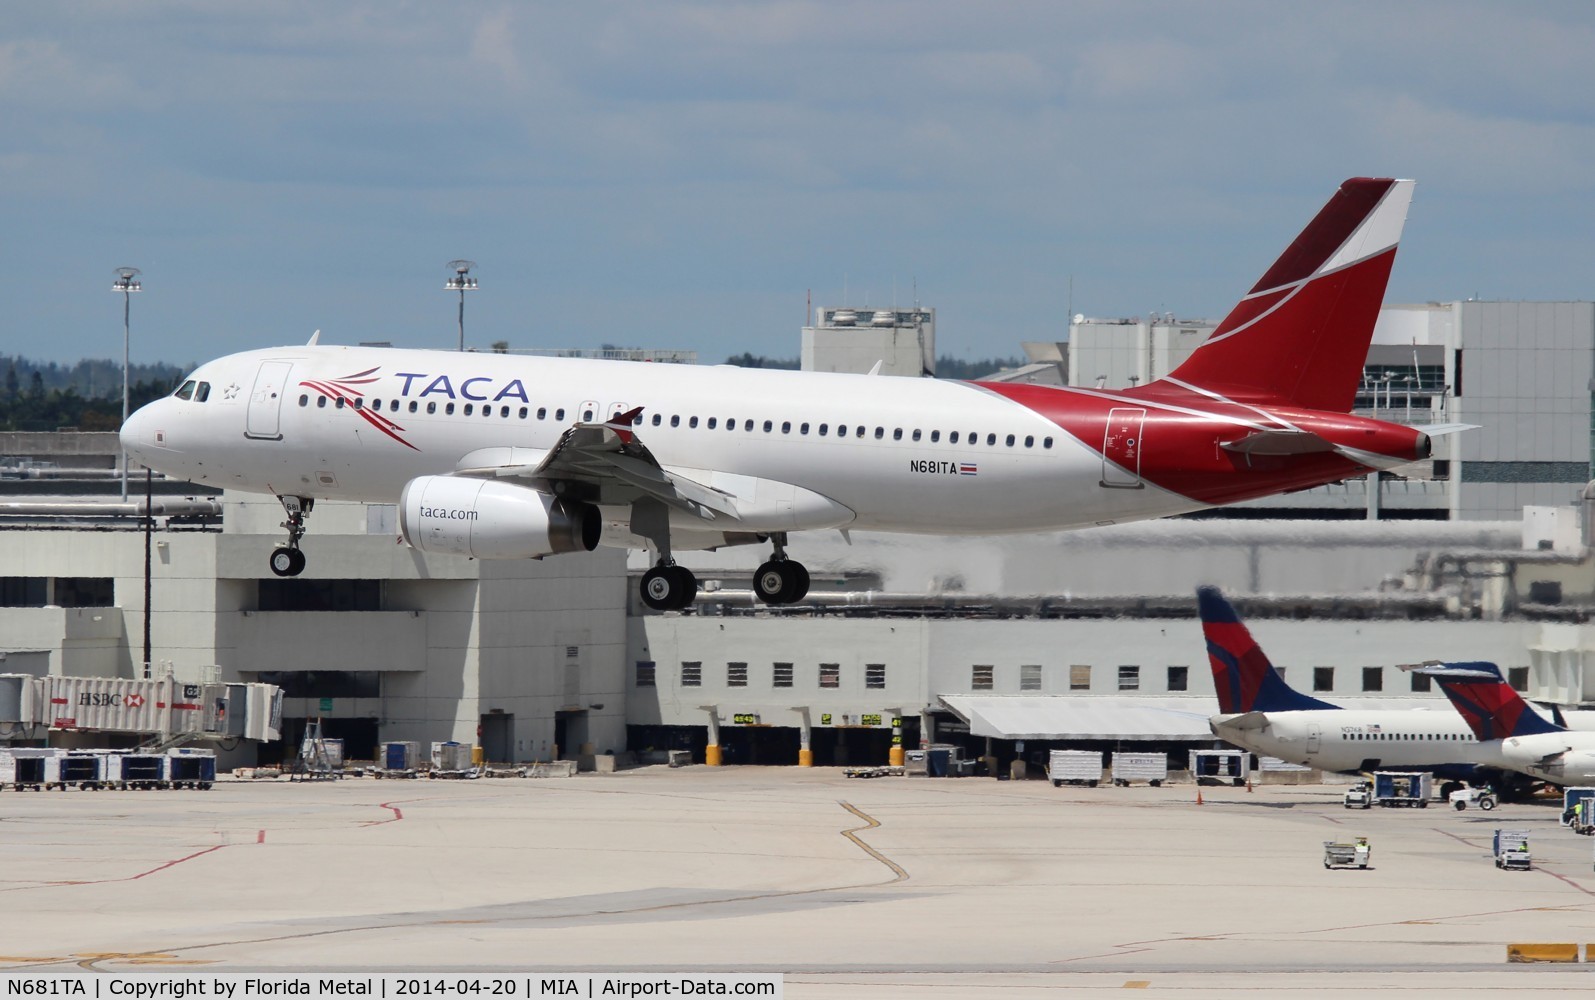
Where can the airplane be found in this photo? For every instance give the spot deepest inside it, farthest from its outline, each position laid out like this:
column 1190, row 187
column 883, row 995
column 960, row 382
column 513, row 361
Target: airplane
column 509, row 457
column 1525, row 741
column 1259, row 712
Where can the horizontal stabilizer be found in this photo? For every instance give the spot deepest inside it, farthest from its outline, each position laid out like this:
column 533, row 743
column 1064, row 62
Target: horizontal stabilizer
column 1440, row 430
column 1246, row 721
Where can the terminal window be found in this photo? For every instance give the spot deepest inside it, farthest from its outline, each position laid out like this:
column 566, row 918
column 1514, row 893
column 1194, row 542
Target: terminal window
column 645, row 673
column 1323, row 678
column 1079, row 677
column 1129, row 678
column 875, row 675
column 691, row 674
column 1030, row 677
column 830, row 675
column 736, row 675
column 1178, row 678
column 1518, row 677
column 1373, row 678
column 782, row 677
column 1421, row 683
column 980, row 677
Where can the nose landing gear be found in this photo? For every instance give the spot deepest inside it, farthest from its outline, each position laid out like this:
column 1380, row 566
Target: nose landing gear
column 287, row 560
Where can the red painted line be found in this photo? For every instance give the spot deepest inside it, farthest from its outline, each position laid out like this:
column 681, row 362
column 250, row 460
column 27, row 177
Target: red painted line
column 398, row 814
column 260, row 838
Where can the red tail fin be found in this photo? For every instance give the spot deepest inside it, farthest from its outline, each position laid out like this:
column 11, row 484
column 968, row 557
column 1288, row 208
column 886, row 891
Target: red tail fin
column 1301, row 334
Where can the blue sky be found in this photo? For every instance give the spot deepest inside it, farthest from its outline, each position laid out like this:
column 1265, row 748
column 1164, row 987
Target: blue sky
column 671, row 174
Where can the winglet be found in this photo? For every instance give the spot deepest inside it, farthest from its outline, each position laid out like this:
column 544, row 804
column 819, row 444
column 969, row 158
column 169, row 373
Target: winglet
column 315, row 338
column 1242, row 675
column 1487, row 702
column 877, row 369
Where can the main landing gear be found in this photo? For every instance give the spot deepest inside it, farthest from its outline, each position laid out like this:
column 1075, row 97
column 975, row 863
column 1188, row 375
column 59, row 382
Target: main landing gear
column 781, row 580
column 668, row 587
column 287, row 560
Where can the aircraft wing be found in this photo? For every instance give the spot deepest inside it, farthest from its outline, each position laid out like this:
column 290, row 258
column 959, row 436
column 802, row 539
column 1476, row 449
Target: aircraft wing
column 603, row 463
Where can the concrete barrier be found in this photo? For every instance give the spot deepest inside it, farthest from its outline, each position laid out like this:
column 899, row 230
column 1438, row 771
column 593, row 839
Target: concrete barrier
column 1541, row 952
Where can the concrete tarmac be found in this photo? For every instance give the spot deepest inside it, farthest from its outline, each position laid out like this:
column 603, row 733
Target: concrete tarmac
column 881, row 888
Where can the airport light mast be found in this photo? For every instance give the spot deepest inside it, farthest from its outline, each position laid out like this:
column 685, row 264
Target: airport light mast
column 462, row 282
column 127, row 283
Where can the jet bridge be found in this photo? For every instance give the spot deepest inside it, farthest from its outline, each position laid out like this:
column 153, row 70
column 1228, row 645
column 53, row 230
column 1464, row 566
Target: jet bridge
column 170, row 710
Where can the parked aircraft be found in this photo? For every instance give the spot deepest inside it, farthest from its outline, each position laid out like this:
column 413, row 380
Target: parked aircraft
column 505, row 457
column 1499, row 717
column 1259, row 712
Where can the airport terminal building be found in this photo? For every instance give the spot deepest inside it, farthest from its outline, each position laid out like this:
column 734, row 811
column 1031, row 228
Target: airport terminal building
column 1079, row 638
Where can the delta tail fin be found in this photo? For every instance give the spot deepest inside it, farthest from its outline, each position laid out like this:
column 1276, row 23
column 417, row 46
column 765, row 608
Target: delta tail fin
column 1301, row 335
column 1242, row 675
column 1487, row 702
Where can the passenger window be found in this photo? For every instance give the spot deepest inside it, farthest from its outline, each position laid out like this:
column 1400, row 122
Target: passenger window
column 935, row 436
column 768, row 425
column 880, row 432
column 359, row 402
column 448, row 409
column 523, row 415
column 413, row 406
column 186, row 390
column 542, row 413
column 559, row 414
column 916, row 434
column 991, row 440
column 587, row 416
column 1009, row 441
column 822, row 430
column 951, row 438
column 786, row 427
column 637, row 420
column 897, row 434
column 803, row 428
column 432, row 406
column 202, row 393
column 692, row 422
column 841, row 430
column 304, row 400
column 711, row 424
column 467, row 411
column 675, row 421
column 1046, row 442
column 393, row 406
column 321, row 401
column 505, row 413
column 658, row 420
column 747, row 425
column 341, row 402
column 1030, row 441
column 376, row 404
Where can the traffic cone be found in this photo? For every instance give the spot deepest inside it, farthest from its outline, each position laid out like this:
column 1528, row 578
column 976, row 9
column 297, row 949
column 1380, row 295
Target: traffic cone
column 1198, row 794
column 1248, row 784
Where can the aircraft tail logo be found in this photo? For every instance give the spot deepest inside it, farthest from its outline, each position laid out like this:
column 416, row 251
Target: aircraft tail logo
column 1301, row 335
column 1489, row 705
column 1243, row 676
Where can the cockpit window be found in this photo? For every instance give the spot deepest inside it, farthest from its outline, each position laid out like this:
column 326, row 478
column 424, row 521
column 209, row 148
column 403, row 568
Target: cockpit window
column 202, row 393
column 186, row 390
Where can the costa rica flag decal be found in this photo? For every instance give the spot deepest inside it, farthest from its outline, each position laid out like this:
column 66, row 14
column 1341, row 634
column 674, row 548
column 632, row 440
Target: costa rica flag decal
column 968, row 469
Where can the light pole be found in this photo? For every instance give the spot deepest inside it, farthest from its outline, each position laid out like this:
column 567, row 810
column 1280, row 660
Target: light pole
column 127, row 283
column 462, row 282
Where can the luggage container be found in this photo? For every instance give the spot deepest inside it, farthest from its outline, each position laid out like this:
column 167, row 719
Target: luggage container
column 1152, row 768
column 1578, row 810
column 25, row 768
column 398, row 759
column 1221, row 767
column 136, row 770
column 191, row 767
column 83, row 768
column 1077, row 767
column 1402, row 788
column 450, row 759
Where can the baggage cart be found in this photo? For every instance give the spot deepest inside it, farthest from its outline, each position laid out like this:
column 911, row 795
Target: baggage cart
column 1221, row 767
column 1512, row 850
column 83, row 768
column 33, row 768
column 1347, row 854
column 1578, row 810
column 1076, row 767
column 1402, row 788
column 398, row 759
column 136, row 770
column 1152, row 768
column 189, row 767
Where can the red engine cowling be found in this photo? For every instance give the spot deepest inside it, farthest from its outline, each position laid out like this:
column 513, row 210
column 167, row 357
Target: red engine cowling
column 490, row 519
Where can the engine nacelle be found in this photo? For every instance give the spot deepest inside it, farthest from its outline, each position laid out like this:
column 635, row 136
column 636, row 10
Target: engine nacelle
column 491, row 519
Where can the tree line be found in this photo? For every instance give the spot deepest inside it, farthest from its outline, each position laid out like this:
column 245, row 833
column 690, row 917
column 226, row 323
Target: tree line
column 86, row 395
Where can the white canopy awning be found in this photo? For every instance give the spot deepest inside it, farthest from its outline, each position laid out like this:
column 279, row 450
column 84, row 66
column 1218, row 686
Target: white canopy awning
column 1059, row 717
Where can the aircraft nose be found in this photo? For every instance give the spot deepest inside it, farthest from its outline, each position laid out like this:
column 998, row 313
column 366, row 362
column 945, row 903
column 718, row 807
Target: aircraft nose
column 143, row 437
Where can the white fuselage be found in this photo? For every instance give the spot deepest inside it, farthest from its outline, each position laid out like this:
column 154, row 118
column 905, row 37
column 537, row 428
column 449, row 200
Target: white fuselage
column 1352, row 740
column 880, row 448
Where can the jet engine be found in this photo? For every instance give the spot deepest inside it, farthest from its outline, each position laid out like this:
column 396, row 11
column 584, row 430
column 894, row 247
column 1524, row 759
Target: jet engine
column 491, row 519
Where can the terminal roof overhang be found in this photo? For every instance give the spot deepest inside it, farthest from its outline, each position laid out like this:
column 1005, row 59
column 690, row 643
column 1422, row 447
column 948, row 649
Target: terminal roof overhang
column 1047, row 717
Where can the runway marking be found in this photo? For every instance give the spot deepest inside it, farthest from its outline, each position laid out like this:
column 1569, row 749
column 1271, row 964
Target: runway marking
column 398, row 814
column 870, row 824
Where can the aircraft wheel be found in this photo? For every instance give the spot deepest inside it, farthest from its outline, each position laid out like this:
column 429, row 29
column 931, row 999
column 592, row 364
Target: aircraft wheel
column 669, row 588
column 286, row 561
column 770, row 582
column 797, row 583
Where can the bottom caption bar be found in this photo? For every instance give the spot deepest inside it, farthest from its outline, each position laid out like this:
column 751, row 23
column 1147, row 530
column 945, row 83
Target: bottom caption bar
column 388, row 985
